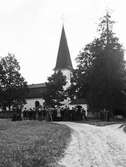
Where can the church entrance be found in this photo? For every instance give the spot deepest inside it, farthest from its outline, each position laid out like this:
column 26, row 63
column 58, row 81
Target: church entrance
column 37, row 104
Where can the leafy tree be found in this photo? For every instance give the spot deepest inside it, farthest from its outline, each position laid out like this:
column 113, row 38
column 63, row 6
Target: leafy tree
column 14, row 86
column 55, row 93
column 100, row 74
column 2, row 73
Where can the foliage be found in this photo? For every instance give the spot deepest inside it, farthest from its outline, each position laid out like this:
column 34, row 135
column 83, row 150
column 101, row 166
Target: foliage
column 13, row 85
column 55, row 93
column 100, row 74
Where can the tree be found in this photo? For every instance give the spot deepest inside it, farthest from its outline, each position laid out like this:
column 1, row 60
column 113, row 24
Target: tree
column 14, row 86
column 100, row 74
column 2, row 73
column 55, row 93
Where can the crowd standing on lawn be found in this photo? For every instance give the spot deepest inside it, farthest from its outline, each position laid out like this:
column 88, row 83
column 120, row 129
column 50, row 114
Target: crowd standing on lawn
column 51, row 114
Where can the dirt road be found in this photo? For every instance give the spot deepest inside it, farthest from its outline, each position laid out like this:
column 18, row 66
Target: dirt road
column 93, row 146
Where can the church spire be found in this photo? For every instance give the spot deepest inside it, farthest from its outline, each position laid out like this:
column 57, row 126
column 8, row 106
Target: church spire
column 63, row 57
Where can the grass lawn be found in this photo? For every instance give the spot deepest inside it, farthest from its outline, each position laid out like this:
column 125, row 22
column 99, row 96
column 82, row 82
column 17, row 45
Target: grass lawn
column 31, row 143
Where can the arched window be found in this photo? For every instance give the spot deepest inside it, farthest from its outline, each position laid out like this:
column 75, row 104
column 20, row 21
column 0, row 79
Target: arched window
column 37, row 104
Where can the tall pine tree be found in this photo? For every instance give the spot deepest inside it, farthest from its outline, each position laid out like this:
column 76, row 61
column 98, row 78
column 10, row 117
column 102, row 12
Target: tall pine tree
column 100, row 74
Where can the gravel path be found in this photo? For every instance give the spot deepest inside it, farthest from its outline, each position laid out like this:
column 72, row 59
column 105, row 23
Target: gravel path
column 93, row 146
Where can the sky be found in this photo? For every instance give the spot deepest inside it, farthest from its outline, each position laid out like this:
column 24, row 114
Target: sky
column 31, row 30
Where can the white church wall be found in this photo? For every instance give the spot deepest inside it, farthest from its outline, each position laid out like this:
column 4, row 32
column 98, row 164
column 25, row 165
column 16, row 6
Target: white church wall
column 68, row 75
column 30, row 103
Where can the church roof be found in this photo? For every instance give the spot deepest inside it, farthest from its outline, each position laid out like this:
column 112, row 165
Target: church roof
column 63, row 57
column 36, row 85
column 36, row 90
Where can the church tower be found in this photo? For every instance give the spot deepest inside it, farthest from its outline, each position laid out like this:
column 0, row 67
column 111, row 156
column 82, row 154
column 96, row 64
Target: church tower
column 63, row 62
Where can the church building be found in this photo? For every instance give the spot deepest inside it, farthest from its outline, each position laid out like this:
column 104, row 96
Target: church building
column 63, row 64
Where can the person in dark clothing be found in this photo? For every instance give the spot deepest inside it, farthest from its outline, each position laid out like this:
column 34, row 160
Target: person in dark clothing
column 58, row 114
column 44, row 113
column 25, row 114
column 70, row 115
column 54, row 115
column 62, row 114
column 66, row 113
column 78, row 113
column 40, row 114
column 84, row 114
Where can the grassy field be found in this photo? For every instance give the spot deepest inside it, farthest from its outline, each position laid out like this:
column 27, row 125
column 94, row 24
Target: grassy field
column 31, row 143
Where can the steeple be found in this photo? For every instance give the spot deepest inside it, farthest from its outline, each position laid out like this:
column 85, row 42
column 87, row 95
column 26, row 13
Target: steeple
column 63, row 58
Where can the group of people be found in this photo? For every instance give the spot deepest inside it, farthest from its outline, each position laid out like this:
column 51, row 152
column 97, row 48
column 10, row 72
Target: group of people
column 34, row 114
column 66, row 114
column 52, row 114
